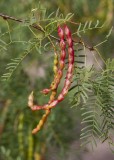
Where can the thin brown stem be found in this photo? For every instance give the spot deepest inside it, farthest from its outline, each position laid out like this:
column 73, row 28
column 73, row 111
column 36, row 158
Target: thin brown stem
column 6, row 17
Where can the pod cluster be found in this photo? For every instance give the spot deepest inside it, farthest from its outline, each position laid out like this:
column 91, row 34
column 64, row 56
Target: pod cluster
column 59, row 64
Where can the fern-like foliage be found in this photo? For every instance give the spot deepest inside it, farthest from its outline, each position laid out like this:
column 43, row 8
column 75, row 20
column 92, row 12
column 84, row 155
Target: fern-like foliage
column 92, row 91
column 81, row 86
column 97, row 93
column 12, row 66
column 88, row 25
column 46, row 25
column 39, row 16
column 90, row 119
column 104, row 89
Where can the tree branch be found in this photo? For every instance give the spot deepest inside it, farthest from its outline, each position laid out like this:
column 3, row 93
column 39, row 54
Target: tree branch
column 6, row 17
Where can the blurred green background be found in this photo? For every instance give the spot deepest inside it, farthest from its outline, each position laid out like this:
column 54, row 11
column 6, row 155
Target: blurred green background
column 59, row 139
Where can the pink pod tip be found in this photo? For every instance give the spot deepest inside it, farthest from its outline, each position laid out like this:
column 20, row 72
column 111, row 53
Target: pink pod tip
column 45, row 91
column 60, row 32
column 67, row 31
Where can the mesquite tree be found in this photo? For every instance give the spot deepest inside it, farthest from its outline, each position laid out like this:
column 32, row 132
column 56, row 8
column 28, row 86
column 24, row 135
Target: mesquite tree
column 90, row 90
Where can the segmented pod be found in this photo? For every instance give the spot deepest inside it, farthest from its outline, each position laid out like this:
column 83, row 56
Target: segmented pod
column 57, row 77
column 59, row 72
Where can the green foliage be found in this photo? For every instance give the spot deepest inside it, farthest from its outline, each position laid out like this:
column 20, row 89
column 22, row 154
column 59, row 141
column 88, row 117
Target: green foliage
column 38, row 17
column 88, row 26
column 83, row 86
column 92, row 91
column 95, row 93
column 11, row 67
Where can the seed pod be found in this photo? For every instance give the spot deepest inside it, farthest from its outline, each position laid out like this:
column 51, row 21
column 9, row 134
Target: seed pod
column 41, row 122
column 68, row 75
column 58, row 71
column 54, row 85
column 67, row 32
column 45, row 91
column 31, row 100
column 60, row 32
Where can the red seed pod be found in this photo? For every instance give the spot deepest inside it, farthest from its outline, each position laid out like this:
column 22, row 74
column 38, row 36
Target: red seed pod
column 71, row 60
column 56, row 70
column 62, row 59
column 62, row 64
column 52, row 103
column 64, row 91
column 68, row 75
column 63, row 55
column 60, row 32
column 67, row 83
column 62, row 44
column 70, row 50
column 70, row 43
column 70, row 68
column 67, row 31
column 60, row 97
column 60, row 73
column 45, row 91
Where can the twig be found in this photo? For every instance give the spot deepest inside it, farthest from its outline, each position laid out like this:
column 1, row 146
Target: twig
column 6, row 17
